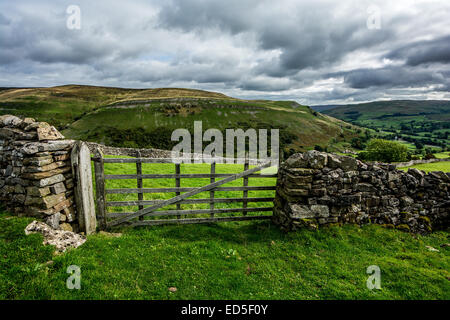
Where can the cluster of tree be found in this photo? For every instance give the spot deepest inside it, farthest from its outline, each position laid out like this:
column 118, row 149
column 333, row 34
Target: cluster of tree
column 385, row 151
column 422, row 141
column 415, row 126
column 158, row 138
column 352, row 115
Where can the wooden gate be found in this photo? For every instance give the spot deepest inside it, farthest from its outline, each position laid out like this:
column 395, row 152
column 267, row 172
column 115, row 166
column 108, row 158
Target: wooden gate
column 148, row 210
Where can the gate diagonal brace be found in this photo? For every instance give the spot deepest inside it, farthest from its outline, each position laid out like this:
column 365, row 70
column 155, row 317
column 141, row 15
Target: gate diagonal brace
column 186, row 195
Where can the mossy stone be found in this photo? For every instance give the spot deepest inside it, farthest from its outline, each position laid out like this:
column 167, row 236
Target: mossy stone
column 403, row 227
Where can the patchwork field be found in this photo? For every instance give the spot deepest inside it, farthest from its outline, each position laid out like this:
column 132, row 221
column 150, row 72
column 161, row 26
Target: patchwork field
column 425, row 122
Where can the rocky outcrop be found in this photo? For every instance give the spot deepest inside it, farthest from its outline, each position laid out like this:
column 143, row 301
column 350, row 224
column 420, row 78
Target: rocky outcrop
column 61, row 239
column 316, row 188
column 35, row 172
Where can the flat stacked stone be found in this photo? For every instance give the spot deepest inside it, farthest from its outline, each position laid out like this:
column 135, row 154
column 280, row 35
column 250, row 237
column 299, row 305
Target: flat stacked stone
column 316, row 188
column 35, row 172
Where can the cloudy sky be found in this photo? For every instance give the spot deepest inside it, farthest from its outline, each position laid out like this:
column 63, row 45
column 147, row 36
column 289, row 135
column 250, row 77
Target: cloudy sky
column 314, row 52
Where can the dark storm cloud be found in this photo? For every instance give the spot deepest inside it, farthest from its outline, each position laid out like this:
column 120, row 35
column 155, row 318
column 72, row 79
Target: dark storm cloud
column 391, row 77
column 315, row 52
column 49, row 41
column 232, row 15
column 265, row 84
column 431, row 51
column 78, row 52
column 308, row 35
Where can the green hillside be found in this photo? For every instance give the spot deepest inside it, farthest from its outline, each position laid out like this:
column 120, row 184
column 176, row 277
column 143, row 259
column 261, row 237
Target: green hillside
column 62, row 105
column 426, row 122
column 147, row 117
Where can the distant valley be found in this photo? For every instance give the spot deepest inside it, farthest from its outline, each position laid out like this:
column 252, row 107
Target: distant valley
column 425, row 122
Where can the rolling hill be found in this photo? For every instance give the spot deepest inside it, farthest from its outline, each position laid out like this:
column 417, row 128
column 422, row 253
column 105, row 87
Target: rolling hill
column 146, row 117
column 424, row 121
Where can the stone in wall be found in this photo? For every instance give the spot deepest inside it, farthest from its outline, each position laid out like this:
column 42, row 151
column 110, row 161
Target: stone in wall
column 35, row 172
column 316, row 188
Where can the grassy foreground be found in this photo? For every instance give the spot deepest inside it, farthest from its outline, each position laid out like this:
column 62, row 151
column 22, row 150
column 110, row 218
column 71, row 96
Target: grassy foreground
column 237, row 260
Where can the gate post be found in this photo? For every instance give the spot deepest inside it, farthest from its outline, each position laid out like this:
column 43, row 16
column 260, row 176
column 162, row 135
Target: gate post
column 100, row 194
column 84, row 199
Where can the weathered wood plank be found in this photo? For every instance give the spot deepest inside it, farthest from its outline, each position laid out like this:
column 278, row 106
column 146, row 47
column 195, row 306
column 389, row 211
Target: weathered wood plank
column 100, row 187
column 139, row 180
column 188, row 194
column 187, row 189
column 189, row 212
column 211, row 193
column 170, row 160
column 141, row 160
column 203, row 211
column 84, row 198
column 178, row 184
column 245, row 184
column 187, row 201
column 198, row 220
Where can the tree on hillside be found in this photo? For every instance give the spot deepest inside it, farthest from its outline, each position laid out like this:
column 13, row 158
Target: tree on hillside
column 419, row 145
column 385, row 151
column 357, row 143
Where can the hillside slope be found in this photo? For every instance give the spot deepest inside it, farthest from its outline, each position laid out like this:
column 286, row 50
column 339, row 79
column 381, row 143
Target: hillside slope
column 147, row 117
column 64, row 104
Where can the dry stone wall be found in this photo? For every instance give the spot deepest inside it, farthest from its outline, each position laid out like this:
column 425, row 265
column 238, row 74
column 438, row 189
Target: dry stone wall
column 316, row 188
column 35, row 172
column 132, row 152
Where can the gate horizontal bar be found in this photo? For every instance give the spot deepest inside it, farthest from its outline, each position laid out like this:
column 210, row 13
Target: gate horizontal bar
column 135, row 160
column 197, row 220
column 196, row 211
column 171, row 160
column 181, row 176
column 187, row 201
column 187, row 189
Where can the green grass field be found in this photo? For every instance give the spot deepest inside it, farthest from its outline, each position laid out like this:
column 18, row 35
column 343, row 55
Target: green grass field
column 427, row 167
column 442, row 155
column 235, row 260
